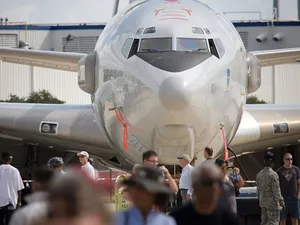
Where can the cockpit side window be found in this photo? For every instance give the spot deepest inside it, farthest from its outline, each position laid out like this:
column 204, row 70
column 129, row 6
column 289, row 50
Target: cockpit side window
column 213, row 48
column 127, row 47
column 156, row 45
column 220, row 47
column 192, row 44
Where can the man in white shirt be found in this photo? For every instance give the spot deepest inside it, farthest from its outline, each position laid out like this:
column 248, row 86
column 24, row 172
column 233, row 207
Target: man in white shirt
column 11, row 185
column 37, row 202
column 86, row 166
column 185, row 182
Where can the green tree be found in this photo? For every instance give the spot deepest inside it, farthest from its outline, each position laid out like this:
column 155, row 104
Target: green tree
column 42, row 97
column 254, row 100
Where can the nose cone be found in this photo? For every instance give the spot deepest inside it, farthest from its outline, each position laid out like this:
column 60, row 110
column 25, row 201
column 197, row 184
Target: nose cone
column 173, row 93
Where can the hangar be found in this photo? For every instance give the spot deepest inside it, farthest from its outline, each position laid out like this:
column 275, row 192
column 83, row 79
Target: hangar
column 279, row 83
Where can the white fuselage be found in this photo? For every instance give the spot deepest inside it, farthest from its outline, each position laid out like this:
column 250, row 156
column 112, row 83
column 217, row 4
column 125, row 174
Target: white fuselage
column 172, row 97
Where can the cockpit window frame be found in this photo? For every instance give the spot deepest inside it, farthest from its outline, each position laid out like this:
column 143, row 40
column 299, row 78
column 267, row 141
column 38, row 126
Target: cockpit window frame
column 156, row 50
column 220, row 47
column 202, row 39
column 126, row 52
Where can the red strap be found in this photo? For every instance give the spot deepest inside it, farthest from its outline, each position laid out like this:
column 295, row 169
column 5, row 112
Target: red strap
column 124, row 130
column 225, row 145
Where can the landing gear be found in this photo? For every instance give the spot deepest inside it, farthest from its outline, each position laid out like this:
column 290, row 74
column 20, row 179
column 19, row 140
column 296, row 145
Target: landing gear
column 32, row 158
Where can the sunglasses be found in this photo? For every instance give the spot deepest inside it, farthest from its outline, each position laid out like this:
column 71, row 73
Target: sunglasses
column 289, row 159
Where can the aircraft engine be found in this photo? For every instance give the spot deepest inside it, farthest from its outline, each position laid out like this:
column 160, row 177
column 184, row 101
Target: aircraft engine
column 254, row 73
column 87, row 72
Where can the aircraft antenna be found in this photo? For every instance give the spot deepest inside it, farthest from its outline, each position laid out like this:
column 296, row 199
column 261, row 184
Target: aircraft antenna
column 116, row 7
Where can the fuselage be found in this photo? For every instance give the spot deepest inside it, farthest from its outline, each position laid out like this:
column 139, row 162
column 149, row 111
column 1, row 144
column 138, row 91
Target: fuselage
column 174, row 71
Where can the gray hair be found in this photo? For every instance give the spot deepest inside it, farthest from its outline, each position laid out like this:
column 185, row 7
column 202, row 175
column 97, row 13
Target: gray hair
column 205, row 170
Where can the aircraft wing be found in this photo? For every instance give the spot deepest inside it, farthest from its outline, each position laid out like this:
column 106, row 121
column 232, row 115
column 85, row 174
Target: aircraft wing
column 49, row 59
column 277, row 56
column 59, row 126
column 267, row 125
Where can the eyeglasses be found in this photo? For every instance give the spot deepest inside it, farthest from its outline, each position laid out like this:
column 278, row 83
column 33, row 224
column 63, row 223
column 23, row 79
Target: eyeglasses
column 289, row 159
column 153, row 161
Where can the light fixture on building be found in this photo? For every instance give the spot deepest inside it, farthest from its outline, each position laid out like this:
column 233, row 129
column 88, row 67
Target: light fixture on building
column 23, row 44
column 69, row 38
column 6, row 21
column 1, row 21
column 278, row 37
column 262, row 37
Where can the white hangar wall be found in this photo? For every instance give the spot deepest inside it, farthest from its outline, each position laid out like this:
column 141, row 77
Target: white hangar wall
column 280, row 84
column 20, row 80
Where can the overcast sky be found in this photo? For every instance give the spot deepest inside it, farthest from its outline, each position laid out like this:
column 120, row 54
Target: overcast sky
column 97, row 11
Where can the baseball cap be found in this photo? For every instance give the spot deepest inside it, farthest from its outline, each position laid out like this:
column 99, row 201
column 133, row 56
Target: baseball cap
column 83, row 153
column 268, row 155
column 150, row 178
column 55, row 162
column 184, row 156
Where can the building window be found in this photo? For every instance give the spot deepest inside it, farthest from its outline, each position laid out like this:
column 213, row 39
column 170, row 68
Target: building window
column 80, row 44
column 9, row 40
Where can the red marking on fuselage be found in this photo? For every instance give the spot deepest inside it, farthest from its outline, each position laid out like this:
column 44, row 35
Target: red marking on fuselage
column 157, row 11
column 188, row 11
column 172, row 15
column 172, row 1
column 174, row 18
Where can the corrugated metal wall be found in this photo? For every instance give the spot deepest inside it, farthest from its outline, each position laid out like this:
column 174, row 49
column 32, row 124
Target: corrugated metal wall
column 21, row 79
column 286, row 88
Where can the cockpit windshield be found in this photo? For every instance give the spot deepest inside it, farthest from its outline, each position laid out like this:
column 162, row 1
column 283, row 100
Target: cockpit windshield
column 156, row 45
column 192, row 44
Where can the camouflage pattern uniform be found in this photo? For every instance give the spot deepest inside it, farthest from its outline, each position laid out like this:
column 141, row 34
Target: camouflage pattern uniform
column 269, row 195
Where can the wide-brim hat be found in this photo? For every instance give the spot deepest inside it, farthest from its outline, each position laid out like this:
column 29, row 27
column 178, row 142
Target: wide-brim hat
column 150, row 178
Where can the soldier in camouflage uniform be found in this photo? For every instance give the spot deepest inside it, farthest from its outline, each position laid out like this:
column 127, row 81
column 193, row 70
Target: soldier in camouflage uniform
column 268, row 191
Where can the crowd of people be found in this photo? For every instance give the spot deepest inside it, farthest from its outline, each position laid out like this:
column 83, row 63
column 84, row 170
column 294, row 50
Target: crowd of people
column 208, row 193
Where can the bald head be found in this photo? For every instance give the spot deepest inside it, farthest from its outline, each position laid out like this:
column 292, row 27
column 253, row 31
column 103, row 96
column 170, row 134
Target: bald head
column 288, row 160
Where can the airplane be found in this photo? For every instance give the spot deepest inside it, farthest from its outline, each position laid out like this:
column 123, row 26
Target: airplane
column 166, row 75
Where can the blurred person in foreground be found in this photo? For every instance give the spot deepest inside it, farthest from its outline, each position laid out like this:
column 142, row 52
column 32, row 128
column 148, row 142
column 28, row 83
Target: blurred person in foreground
column 37, row 202
column 56, row 164
column 75, row 199
column 146, row 188
column 268, row 191
column 11, row 185
column 230, row 186
column 207, row 181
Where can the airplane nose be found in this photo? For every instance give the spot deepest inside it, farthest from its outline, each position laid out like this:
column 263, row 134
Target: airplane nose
column 173, row 93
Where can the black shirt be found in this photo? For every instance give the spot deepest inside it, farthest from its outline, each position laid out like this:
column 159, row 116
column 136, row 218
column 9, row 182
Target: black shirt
column 187, row 215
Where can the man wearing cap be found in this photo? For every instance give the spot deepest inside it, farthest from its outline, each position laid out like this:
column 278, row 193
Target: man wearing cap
column 56, row 164
column 145, row 188
column 268, row 192
column 10, row 188
column 185, row 182
column 86, row 166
